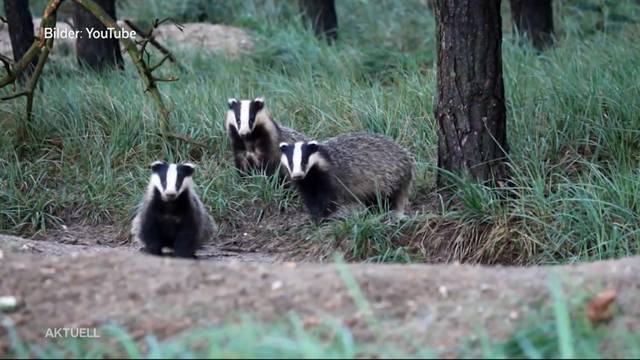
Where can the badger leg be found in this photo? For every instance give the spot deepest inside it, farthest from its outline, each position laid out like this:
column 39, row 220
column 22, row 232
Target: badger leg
column 400, row 200
column 241, row 163
column 319, row 206
column 150, row 237
column 185, row 244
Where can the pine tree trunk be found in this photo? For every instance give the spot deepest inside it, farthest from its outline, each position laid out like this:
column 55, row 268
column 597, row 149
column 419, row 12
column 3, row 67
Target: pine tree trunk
column 321, row 14
column 20, row 30
column 97, row 54
column 534, row 20
column 470, row 108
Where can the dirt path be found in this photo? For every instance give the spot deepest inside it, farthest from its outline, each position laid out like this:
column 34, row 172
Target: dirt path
column 435, row 305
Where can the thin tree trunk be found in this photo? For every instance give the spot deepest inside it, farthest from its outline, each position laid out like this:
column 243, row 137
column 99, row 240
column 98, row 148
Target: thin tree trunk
column 20, row 31
column 321, row 14
column 470, row 108
column 97, row 54
column 534, row 20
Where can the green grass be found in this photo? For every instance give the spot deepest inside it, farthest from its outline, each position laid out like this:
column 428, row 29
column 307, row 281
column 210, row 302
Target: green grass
column 572, row 129
column 244, row 339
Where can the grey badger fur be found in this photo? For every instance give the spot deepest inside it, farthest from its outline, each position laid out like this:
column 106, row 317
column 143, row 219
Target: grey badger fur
column 171, row 214
column 255, row 136
column 349, row 168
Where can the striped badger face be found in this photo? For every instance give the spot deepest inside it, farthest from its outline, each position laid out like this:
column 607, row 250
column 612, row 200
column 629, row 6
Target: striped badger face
column 301, row 157
column 171, row 180
column 244, row 114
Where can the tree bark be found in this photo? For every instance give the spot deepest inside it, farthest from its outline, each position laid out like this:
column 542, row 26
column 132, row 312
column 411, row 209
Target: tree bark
column 20, row 31
column 534, row 20
column 321, row 14
column 97, row 54
column 470, row 107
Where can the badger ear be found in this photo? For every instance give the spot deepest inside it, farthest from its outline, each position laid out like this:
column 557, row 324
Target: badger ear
column 157, row 165
column 258, row 103
column 188, row 168
column 232, row 102
column 312, row 146
column 283, row 146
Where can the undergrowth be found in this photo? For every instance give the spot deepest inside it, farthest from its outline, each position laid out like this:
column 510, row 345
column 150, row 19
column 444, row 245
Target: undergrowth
column 572, row 130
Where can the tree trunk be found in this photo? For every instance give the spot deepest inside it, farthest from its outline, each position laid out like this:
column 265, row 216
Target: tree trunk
column 20, row 30
column 534, row 20
column 470, row 108
column 321, row 14
column 97, row 54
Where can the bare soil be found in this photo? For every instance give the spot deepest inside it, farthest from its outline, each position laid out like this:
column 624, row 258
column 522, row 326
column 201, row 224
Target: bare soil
column 76, row 281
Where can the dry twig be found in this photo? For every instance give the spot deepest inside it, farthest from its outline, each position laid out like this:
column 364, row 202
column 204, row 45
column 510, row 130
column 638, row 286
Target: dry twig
column 149, row 36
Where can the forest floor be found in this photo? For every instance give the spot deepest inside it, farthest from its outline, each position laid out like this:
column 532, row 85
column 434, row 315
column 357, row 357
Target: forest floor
column 80, row 278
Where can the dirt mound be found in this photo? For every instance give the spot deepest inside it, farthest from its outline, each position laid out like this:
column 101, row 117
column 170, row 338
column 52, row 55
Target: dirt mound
column 203, row 37
column 436, row 305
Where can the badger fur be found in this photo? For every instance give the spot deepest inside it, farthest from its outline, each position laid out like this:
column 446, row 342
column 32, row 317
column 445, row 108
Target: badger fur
column 171, row 214
column 346, row 169
column 255, row 136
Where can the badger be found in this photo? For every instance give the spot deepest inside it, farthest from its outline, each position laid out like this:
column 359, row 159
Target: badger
column 255, row 136
column 171, row 214
column 346, row 169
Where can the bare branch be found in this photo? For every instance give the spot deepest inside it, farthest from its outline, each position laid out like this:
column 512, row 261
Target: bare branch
column 6, row 61
column 16, row 95
column 136, row 57
column 5, row 58
column 169, row 79
column 39, row 48
column 21, row 65
column 164, row 58
column 33, row 81
column 153, row 41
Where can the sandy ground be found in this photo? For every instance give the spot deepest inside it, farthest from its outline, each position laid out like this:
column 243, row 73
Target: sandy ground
column 87, row 284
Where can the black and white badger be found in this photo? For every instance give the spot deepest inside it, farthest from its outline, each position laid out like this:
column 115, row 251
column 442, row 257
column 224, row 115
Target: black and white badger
column 255, row 136
column 349, row 168
column 171, row 214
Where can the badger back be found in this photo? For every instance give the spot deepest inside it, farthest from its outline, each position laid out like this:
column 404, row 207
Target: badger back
column 365, row 163
column 289, row 135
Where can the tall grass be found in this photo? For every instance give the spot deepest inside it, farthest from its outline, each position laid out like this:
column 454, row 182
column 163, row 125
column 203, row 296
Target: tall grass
column 572, row 129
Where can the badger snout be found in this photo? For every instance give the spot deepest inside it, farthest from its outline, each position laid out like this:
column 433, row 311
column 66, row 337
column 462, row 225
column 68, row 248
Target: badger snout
column 170, row 195
column 297, row 176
